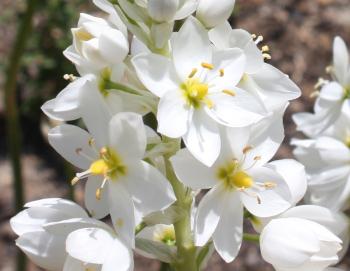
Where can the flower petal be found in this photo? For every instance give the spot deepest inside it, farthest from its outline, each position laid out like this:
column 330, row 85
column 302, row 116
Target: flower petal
column 127, row 135
column 150, row 190
column 72, row 264
column 158, row 78
column 190, row 48
column 229, row 232
column 191, row 172
column 208, row 215
column 97, row 208
column 203, row 139
column 72, row 143
column 173, row 114
column 113, row 45
column 119, row 256
column 340, row 59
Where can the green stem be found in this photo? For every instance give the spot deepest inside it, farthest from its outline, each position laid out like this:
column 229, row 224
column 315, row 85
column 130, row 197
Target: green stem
column 251, row 237
column 186, row 251
column 12, row 120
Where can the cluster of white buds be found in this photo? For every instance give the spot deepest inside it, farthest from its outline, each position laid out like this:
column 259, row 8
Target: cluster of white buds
column 219, row 108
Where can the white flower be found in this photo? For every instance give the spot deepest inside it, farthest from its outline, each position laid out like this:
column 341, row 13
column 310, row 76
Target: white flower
column 298, row 244
column 240, row 177
column 43, row 228
column 100, row 247
column 333, row 96
column 118, row 180
column 212, row 13
column 269, row 85
column 327, row 162
column 197, row 90
column 96, row 45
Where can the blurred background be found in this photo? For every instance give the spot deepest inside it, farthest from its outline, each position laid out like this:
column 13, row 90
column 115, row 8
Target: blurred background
column 298, row 32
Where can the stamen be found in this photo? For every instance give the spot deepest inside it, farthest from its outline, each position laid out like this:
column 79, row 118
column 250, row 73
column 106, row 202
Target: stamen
column 209, row 103
column 254, row 36
column 329, row 69
column 222, row 72
column 250, row 194
column 270, row 185
column 79, row 151
column 98, row 193
column 266, row 56
column 229, row 92
column 69, row 77
column 259, row 39
column 193, row 72
column 74, row 181
column 257, row 158
column 314, row 94
column 247, row 148
column 91, row 142
column 265, row 48
column 207, row 66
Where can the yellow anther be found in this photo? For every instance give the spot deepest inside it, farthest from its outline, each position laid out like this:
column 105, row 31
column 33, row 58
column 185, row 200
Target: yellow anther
column 270, row 185
column 254, row 36
column 241, row 180
column 265, row 48
column 99, row 167
column 266, row 56
column 91, row 141
column 69, row 77
column 74, row 181
column 193, row 72
column 209, row 103
column 103, row 151
column 207, row 66
column 247, row 148
column 222, row 72
column 83, row 35
column 229, row 92
column 98, row 193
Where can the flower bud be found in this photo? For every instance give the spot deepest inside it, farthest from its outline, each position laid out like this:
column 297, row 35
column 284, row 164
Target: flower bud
column 162, row 10
column 299, row 244
column 212, row 12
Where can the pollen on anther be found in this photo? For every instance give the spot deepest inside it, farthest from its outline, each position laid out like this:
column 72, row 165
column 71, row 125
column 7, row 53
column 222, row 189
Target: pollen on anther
column 193, row 72
column 270, row 185
column 222, row 72
column 207, row 66
column 98, row 193
column 74, row 180
column 246, row 149
column 229, row 92
column 266, row 56
column 265, row 48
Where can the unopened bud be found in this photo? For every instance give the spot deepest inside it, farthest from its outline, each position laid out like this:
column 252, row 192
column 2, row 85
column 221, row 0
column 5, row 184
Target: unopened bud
column 162, row 10
column 212, row 12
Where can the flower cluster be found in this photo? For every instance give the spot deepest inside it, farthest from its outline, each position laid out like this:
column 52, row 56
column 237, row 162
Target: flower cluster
column 219, row 109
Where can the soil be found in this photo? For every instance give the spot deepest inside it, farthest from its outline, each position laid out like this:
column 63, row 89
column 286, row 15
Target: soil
column 299, row 34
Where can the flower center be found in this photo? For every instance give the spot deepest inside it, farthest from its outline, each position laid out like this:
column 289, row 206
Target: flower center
column 195, row 93
column 165, row 235
column 234, row 177
column 109, row 165
column 83, row 35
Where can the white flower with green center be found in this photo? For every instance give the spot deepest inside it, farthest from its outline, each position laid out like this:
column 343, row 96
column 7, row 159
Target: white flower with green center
column 197, row 90
column 333, row 97
column 119, row 183
column 327, row 162
column 241, row 177
column 269, row 85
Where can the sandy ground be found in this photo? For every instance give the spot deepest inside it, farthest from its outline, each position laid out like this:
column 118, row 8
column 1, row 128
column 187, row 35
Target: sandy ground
column 299, row 34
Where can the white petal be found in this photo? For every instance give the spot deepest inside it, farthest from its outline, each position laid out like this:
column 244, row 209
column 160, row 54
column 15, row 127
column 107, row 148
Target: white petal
column 72, row 143
column 229, row 232
column 332, row 92
column 95, row 113
column 127, row 135
column 158, row 78
column 240, row 110
column 187, row 9
column 44, row 249
column 122, row 212
column 294, row 174
column 150, row 190
column 234, row 140
column 340, row 59
column 208, row 214
column 119, row 256
column 191, row 47
column 97, row 208
column 232, row 62
column 288, row 242
column 203, row 139
column 72, row 264
column 271, row 201
column 90, row 245
column 83, row 66
column 332, row 150
column 173, row 114
column 113, row 45
column 219, row 35
column 191, row 172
